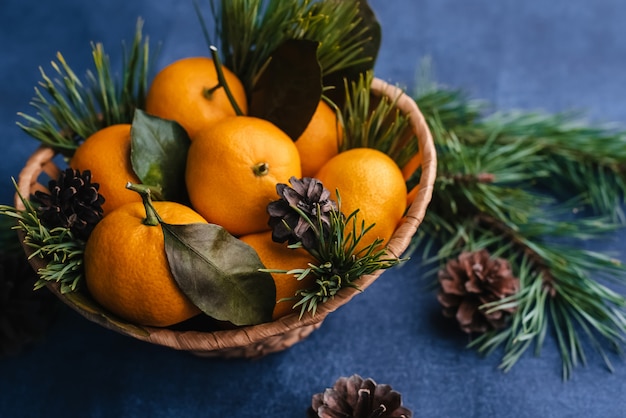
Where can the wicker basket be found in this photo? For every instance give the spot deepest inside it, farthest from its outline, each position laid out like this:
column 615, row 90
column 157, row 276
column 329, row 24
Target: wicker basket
column 258, row 340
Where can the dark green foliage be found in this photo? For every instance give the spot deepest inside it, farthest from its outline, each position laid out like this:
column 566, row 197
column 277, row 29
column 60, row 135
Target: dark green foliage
column 532, row 188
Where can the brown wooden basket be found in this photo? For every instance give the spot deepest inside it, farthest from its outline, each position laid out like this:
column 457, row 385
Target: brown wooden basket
column 258, row 340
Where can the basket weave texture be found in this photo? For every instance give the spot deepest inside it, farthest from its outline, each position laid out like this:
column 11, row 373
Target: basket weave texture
column 258, row 340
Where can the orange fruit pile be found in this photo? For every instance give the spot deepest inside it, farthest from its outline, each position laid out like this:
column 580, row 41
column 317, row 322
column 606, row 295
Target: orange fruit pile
column 233, row 166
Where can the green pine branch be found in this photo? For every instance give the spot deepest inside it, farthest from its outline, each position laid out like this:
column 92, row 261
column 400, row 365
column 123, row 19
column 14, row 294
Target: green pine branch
column 249, row 31
column 521, row 184
column 70, row 109
column 62, row 252
column 586, row 160
column 375, row 122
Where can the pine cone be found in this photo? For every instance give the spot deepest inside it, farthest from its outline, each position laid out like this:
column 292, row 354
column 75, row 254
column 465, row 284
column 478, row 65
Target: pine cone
column 309, row 196
column 355, row 397
column 25, row 314
column 73, row 203
column 472, row 280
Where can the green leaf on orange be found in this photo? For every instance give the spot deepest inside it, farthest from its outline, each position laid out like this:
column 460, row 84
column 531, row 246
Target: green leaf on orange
column 289, row 88
column 159, row 154
column 219, row 273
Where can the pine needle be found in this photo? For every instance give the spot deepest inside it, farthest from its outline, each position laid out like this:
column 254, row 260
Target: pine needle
column 68, row 109
column 532, row 188
column 248, row 31
column 62, row 252
column 375, row 122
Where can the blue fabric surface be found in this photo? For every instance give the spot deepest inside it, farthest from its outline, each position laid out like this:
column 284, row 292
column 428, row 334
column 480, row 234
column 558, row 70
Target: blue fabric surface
column 557, row 55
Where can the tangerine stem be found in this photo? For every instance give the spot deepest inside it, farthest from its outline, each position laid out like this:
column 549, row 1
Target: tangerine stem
column 152, row 217
column 261, row 169
column 222, row 81
column 208, row 92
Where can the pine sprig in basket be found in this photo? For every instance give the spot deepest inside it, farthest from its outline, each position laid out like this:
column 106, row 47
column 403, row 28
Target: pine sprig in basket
column 531, row 188
column 306, row 217
column 249, row 31
column 375, row 123
column 70, row 109
column 58, row 245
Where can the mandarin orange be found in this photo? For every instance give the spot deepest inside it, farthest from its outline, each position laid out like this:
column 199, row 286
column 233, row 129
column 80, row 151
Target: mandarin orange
column 126, row 268
column 107, row 154
column 232, row 170
column 183, row 92
column 320, row 140
column 370, row 181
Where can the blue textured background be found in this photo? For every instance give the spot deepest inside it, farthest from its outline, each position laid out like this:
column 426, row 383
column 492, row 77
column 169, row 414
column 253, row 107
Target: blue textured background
column 534, row 54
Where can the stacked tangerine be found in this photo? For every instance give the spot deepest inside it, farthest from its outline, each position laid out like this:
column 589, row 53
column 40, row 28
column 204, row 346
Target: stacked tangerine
column 233, row 166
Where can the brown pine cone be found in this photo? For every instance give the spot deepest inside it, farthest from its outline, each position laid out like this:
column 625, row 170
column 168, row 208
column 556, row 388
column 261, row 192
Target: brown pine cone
column 355, row 397
column 311, row 197
column 73, row 202
column 472, row 280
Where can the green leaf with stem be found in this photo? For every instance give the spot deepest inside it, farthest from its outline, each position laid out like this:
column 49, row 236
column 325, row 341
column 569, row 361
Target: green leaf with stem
column 289, row 88
column 219, row 273
column 158, row 155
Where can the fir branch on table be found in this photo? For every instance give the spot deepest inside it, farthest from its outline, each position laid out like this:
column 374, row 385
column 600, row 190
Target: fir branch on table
column 69, row 110
column 521, row 184
column 587, row 160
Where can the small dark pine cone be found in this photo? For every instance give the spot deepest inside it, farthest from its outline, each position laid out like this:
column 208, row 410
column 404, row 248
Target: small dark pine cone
column 73, row 203
column 309, row 196
column 25, row 315
column 472, row 280
column 355, row 397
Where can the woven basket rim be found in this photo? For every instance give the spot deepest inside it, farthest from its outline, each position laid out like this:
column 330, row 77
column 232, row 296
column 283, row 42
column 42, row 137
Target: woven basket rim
column 223, row 340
